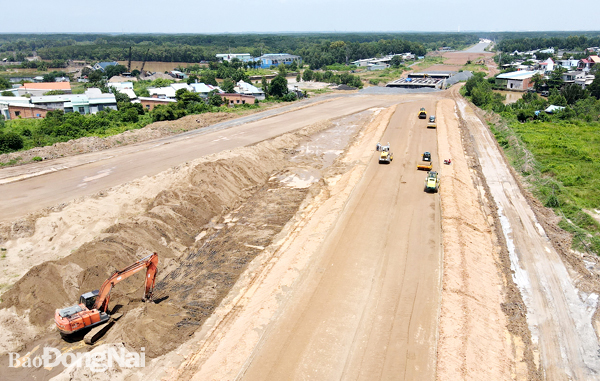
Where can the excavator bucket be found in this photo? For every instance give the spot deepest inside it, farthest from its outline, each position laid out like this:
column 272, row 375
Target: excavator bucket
column 97, row 332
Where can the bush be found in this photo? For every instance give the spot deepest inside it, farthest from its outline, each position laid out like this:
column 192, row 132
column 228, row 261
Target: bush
column 290, row 97
column 36, row 158
column 10, row 142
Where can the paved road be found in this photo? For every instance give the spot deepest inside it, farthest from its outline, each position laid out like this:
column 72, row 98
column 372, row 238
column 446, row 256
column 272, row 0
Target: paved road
column 369, row 308
column 81, row 175
column 478, row 48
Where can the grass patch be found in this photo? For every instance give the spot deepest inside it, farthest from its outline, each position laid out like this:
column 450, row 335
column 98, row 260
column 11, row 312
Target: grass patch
column 340, row 67
column 254, row 72
column 427, row 62
column 319, row 91
column 561, row 162
column 385, row 75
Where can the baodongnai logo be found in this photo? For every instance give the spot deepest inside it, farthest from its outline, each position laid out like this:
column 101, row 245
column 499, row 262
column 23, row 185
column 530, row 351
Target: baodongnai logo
column 97, row 361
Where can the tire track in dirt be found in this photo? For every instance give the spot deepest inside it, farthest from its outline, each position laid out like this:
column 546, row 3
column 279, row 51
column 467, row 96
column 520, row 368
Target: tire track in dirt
column 473, row 328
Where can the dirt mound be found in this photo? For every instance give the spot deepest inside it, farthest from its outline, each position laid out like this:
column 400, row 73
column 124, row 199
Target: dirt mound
column 185, row 225
column 171, row 220
column 344, row 87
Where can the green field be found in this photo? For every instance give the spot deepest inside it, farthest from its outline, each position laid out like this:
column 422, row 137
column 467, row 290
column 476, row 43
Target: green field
column 564, row 173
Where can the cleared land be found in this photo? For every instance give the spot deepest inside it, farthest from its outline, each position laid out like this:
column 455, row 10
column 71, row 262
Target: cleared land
column 287, row 251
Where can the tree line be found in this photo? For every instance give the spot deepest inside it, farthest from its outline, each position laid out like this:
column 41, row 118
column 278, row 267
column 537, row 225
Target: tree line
column 317, row 50
column 574, row 42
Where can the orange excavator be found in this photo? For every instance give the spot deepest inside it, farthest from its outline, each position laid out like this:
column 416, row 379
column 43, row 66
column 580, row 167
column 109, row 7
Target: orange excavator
column 92, row 309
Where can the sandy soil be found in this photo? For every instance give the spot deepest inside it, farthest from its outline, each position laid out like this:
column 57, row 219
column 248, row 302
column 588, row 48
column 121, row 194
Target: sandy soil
column 560, row 294
column 253, row 214
column 473, row 326
column 300, row 257
column 454, row 61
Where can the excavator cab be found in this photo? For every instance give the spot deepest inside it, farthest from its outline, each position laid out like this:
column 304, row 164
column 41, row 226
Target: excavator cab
column 89, row 298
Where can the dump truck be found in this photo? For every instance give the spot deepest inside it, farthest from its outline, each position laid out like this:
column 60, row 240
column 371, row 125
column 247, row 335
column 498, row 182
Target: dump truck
column 425, row 163
column 432, row 123
column 92, row 310
column 422, row 113
column 386, row 156
column 432, row 182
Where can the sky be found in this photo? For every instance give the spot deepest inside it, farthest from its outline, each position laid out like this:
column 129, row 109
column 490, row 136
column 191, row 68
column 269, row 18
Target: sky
column 239, row 16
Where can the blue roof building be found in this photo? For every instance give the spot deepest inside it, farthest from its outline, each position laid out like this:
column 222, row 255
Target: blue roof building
column 103, row 65
column 268, row 60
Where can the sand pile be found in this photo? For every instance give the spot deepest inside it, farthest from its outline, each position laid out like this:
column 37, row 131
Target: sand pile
column 171, row 222
column 237, row 191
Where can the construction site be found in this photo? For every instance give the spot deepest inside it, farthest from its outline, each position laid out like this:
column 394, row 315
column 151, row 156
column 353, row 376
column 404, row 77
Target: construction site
column 278, row 247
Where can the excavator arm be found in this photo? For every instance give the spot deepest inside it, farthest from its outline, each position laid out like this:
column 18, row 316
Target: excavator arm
column 149, row 263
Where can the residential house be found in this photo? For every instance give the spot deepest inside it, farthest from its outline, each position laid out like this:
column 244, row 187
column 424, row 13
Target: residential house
column 568, row 64
column 56, row 102
column 374, row 67
column 29, row 111
column 178, row 86
column 39, row 89
column 123, row 87
column 546, row 66
column 103, row 65
column 235, row 99
column 361, row 63
column 98, row 101
column 150, row 103
column 516, row 80
column 248, row 89
column 166, row 92
column 203, row 89
column 587, row 63
column 79, row 103
column 268, row 60
column 7, row 101
column 89, row 103
column 580, row 78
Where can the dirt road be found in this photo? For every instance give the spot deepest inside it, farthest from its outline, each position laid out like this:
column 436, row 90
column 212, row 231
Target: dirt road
column 368, row 308
column 558, row 314
column 90, row 173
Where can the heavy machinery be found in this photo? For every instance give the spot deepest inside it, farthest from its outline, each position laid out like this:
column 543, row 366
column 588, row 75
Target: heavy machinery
column 92, row 309
column 432, row 123
column 386, row 156
column 426, row 163
column 422, row 113
column 432, row 182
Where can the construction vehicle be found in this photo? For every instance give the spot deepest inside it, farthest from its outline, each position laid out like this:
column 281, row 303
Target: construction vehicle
column 432, row 182
column 92, row 309
column 386, row 156
column 432, row 123
column 426, row 162
column 422, row 113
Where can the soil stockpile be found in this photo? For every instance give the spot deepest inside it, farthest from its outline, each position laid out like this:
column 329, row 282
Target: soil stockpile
column 205, row 226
